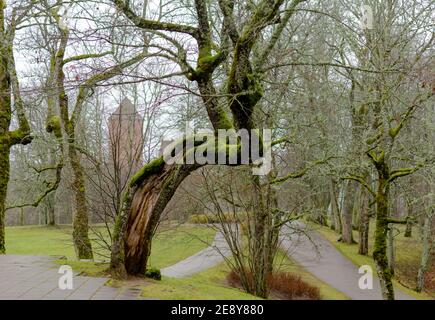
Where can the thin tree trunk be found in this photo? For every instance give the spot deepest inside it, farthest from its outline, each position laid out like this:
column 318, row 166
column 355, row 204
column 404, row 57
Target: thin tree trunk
column 364, row 225
column 21, row 216
column 260, row 266
column 51, row 210
column 390, row 249
column 347, row 212
column 5, row 114
column 4, row 179
column 357, row 207
column 408, row 230
column 335, row 211
column 425, row 254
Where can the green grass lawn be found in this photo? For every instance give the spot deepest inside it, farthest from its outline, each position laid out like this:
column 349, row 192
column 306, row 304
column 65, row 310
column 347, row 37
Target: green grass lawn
column 207, row 285
column 175, row 243
column 407, row 252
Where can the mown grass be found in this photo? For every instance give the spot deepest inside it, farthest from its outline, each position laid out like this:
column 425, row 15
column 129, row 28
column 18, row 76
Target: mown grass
column 207, row 285
column 407, row 252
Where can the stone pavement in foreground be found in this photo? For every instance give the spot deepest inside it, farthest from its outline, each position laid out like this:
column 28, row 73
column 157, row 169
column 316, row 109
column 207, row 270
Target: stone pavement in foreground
column 37, row 277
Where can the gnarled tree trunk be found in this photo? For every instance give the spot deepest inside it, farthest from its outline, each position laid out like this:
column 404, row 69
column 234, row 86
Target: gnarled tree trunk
column 150, row 191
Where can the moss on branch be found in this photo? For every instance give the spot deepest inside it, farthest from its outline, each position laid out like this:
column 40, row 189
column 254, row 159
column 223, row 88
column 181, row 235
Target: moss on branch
column 150, row 168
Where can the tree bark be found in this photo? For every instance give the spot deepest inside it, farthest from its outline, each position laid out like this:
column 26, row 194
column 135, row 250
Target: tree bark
column 8, row 84
column 408, row 230
column 335, row 210
column 347, row 212
column 390, row 249
column 5, row 120
column 425, row 254
column 380, row 245
column 143, row 208
column 51, row 210
column 82, row 244
column 364, row 225
column 4, row 179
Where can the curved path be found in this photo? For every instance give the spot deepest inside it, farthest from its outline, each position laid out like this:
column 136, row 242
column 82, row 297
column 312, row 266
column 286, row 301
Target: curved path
column 37, row 278
column 207, row 258
column 316, row 254
column 306, row 247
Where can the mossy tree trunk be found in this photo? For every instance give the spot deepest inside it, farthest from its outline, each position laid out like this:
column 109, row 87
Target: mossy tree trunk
column 82, row 244
column 4, row 179
column 364, row 225
column 5, row 120
column 147, row 204
column 381, row 231
column 9, row 86
column 390, row 249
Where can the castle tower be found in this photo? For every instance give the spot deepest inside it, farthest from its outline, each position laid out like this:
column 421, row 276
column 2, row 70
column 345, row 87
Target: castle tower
column 125, row 140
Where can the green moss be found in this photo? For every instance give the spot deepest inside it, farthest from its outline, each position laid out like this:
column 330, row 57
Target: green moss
column 87, row 268
column 153, row 273
column 150, row 168
column 54, row 125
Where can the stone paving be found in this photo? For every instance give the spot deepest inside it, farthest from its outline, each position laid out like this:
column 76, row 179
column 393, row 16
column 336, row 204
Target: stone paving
column 37, row 278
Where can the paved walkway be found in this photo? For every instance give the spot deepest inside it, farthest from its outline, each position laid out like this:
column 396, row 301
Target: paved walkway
column 36, row 278
column 207, row 258
column 324, row 261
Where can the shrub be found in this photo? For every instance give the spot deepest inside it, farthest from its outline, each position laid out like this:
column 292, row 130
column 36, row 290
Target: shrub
column 199, row 218
column 284, row 285
column 292, row 287
column 153, row 273
column 213, row 218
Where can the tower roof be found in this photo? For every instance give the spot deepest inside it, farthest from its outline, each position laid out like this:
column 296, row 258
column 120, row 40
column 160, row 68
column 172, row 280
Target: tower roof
column 126, row 107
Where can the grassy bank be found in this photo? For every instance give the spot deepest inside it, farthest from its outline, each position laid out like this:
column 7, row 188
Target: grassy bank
column 407, row 257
